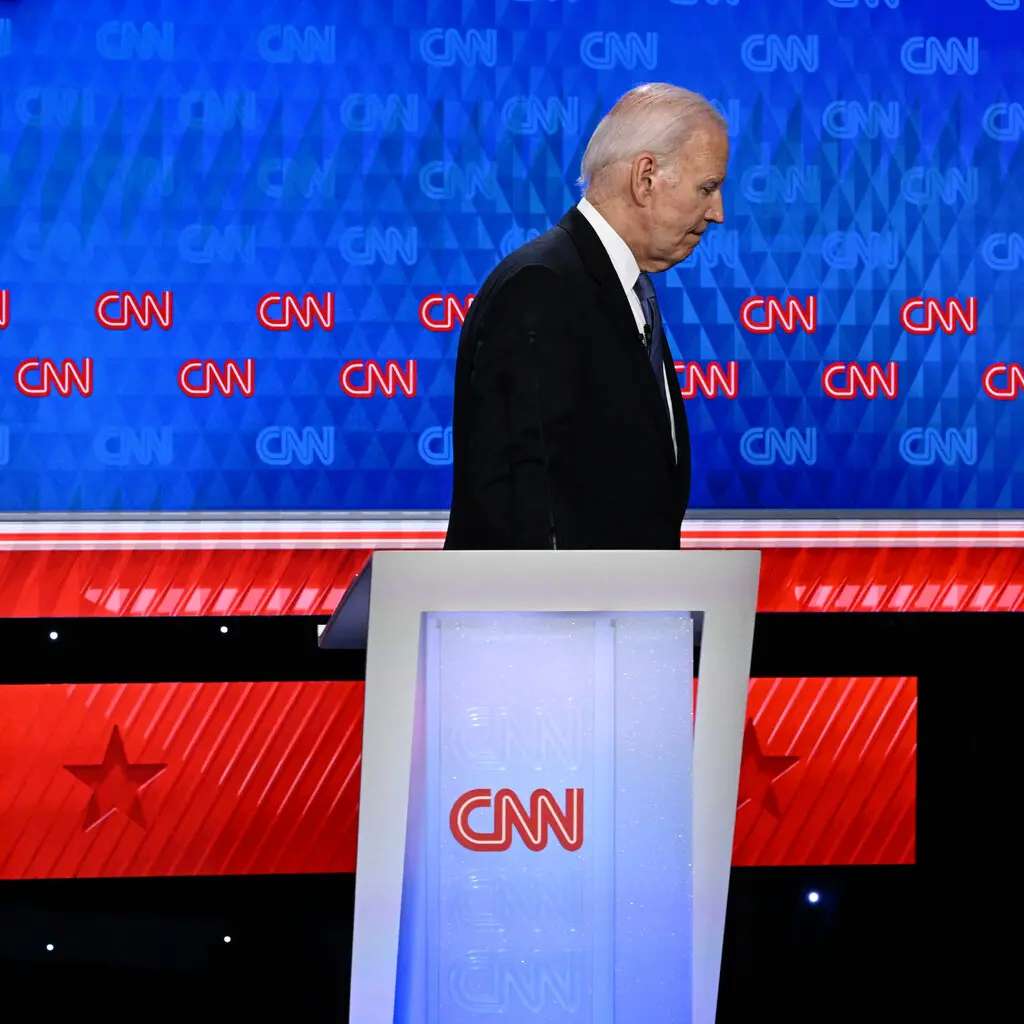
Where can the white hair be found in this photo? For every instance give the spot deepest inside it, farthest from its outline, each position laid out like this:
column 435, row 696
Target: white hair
column 655, row 117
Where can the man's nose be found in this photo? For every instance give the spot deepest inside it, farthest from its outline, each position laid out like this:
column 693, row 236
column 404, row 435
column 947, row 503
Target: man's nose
column 716, row 211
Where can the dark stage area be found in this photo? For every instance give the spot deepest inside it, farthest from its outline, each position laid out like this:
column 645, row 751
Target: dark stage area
column 881, row 943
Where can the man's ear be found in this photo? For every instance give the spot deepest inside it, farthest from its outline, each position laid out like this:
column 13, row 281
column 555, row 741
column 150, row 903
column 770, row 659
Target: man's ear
column 641, row 177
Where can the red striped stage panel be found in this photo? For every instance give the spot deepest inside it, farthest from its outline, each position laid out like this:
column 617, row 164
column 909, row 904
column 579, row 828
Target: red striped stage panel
column 829, row 772
column 113, row 780
column 144, row 779
column 293, row 580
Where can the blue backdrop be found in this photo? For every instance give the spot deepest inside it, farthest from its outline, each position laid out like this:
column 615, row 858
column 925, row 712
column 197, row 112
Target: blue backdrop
column 388, row 153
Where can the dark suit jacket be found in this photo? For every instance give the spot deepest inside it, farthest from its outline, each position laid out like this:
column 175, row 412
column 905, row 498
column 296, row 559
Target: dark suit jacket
column 560, row 436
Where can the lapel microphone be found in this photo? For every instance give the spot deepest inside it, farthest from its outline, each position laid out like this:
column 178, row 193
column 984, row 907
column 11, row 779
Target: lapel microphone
column 647, row 337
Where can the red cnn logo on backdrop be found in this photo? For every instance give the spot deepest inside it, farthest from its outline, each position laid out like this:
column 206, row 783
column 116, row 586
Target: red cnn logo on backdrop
column 5, row 299
column 364, row 378
column 1014, row 381
column 291, row 310
column 939, row 315
column 69, row 377
column 711, row 380
column 440, row 312
column 199, row 378
column 847, row 380
column 117, row 311
column 510, row 815
column 778, row 316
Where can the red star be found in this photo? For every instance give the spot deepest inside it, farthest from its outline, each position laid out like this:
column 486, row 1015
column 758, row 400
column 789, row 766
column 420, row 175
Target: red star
column 115, row 783
column 759, row 772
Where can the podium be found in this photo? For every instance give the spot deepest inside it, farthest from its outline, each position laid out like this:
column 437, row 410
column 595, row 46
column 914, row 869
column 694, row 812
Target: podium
column 546, row 808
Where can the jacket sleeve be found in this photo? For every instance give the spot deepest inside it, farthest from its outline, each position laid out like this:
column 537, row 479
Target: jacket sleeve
column 518, row 365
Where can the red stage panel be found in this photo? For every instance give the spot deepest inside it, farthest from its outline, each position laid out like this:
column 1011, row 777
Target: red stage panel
column 259, row 778
column 191, row 581
column 829, row 772
column 179, row 778
column 968, row 579
column 311, row 580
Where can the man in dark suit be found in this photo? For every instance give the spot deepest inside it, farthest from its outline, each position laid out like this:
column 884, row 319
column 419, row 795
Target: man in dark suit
column 569, row 430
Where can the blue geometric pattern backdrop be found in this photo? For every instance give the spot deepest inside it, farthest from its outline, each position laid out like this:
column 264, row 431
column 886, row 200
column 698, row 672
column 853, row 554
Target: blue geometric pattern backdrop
column 238, row 240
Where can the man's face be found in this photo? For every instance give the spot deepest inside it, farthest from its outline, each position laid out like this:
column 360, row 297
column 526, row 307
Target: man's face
column 686, row 199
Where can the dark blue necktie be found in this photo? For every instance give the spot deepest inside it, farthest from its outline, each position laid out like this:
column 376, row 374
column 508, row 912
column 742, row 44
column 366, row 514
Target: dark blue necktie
column 649, row 304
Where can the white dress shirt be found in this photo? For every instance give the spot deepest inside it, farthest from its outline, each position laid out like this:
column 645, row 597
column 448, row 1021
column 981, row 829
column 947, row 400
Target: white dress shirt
column 628, row 270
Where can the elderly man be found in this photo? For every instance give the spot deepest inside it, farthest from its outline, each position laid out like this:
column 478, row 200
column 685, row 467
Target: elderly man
column 569, row 429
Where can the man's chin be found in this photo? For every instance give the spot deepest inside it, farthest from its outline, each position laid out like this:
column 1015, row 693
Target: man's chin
column 689, row 249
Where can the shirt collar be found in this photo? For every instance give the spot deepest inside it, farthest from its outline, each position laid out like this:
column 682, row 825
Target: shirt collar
column 623, row 260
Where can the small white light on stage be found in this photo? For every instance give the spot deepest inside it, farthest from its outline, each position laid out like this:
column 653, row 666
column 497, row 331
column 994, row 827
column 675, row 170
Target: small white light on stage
column 49, row 947
column 54, row 634
column 813, row 897
column 223, row 629
column 227, row 938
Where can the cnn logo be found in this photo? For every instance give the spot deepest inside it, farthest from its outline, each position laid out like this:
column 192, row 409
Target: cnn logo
column 936, row 315
column 784, row 316
column 117, row 311
column 443, row 312
column 291, row 309
column 509, row 815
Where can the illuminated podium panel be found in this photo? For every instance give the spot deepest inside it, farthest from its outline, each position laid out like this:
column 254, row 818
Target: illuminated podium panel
column 543, row 833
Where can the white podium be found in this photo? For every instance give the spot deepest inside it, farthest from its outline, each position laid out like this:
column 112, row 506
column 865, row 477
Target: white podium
column 545, row 828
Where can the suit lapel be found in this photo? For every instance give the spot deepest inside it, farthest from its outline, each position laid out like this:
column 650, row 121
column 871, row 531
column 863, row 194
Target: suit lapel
column 613, row 299
column 599, row 265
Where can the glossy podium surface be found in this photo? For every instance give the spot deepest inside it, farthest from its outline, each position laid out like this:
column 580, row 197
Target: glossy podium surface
column 550, row 870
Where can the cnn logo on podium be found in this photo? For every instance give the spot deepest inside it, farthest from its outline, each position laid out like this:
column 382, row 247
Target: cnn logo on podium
column 509, row 815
